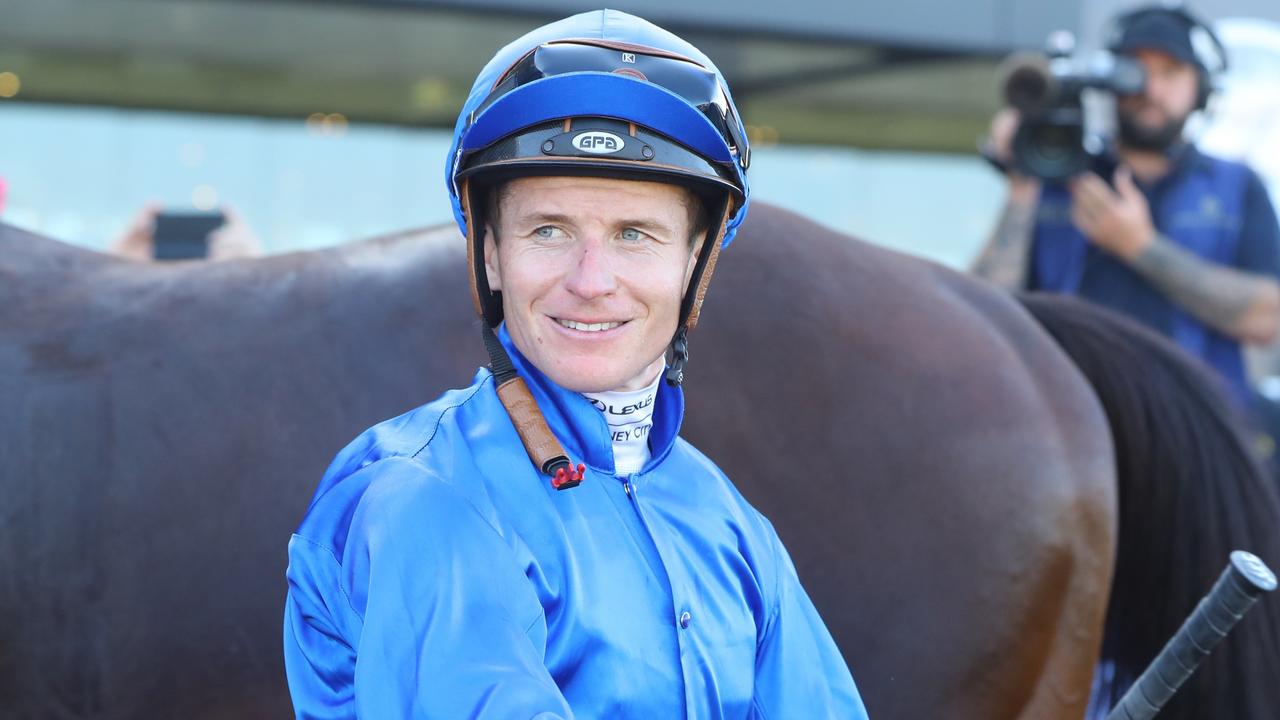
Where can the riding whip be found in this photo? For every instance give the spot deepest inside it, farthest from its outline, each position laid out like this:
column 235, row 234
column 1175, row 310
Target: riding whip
column 1244, row 580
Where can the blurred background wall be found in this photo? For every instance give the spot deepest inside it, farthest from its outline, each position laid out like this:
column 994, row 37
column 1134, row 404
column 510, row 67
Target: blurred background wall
column 323, row 121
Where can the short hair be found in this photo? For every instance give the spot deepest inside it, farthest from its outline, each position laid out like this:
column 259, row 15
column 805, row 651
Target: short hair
column 699, row 216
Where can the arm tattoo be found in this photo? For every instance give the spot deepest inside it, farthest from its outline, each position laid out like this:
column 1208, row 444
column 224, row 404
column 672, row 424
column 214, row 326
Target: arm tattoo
column 1217, row 295
column 1004, row 259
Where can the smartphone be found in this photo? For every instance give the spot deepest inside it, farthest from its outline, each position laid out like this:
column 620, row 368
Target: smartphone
column 184, row 235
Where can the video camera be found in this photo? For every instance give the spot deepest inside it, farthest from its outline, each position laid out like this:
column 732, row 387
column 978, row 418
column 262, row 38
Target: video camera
column 1052, row 142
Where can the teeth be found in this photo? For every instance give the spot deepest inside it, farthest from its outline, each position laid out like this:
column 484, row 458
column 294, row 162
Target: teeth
column 588, row 327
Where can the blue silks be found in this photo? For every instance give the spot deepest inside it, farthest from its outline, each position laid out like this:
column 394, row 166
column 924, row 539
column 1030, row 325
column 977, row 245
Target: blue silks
column 438, row 575
column 590, row 94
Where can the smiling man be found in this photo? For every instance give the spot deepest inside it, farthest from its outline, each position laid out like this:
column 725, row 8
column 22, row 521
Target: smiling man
column 542, row 544
column 594, row 272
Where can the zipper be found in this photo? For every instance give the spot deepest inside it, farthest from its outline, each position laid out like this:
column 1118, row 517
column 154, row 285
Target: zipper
column 629, row 488
column 632, row 493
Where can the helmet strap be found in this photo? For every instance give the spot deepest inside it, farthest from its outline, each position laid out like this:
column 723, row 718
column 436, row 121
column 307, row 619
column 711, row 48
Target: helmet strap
column 691, row 305
column 488, row 304
column 679, row 357
column 539, row 442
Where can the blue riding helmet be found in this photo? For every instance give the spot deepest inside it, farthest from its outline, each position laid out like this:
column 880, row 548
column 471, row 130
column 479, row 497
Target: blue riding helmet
column 602, row 65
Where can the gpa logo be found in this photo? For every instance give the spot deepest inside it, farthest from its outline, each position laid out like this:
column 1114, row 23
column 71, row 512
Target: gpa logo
column 598, row 142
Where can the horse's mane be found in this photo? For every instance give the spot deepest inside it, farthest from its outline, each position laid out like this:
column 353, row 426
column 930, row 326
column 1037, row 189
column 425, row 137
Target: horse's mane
column 1184, row 465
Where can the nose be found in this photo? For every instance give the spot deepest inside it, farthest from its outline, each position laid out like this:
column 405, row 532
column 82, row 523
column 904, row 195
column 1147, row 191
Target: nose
column 592, row 274
column 1155, row 88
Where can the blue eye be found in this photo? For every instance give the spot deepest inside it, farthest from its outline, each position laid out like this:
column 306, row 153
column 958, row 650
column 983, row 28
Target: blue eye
column 545, row 232
column 632, row 235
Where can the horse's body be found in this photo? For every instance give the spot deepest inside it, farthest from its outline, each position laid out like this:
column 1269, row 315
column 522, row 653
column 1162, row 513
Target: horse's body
column 941, row 472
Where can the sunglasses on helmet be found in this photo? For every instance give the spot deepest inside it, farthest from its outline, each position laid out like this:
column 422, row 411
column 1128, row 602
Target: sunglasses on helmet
column 675, row 73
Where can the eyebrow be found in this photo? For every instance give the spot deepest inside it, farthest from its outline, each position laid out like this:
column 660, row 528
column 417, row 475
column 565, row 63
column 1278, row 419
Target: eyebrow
column 538, row 218
column 562, row 219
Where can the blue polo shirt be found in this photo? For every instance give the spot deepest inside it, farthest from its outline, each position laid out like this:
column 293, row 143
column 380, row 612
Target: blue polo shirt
column 1217, row 209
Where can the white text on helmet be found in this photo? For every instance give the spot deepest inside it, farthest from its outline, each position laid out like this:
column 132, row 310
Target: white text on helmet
column 598, row 142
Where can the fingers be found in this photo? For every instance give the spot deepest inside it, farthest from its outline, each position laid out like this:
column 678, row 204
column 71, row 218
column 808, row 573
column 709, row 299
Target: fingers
column 1124, row 183
column 1091, row 189
column 234, row 239
column 143, row 221
column 1000, row 136
column 137, row 241
column 1091, row 198
column 1087, row 224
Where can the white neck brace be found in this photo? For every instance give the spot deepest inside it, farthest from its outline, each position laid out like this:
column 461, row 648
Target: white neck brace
column 629, row 414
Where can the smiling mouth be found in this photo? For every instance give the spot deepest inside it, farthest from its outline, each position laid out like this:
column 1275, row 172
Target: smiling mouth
column 587, row 327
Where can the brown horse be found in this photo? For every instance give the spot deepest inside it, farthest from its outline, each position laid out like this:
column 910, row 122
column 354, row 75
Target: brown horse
column 943, row 473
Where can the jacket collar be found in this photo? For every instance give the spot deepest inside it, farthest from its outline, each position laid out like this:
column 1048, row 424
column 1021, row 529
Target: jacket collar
column 581, row 428
column 1184, row 160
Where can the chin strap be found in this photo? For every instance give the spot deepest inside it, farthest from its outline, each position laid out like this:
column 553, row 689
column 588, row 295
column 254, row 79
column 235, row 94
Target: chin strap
column 679, row 357
column 544, row 450
column 691, row 305
column 539, row 442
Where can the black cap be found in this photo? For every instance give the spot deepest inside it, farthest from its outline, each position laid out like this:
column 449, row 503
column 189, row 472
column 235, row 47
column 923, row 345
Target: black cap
column 1157, row 28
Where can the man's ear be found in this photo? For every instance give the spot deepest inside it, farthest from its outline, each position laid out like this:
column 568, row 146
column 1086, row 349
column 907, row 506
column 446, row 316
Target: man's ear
column 492, row 269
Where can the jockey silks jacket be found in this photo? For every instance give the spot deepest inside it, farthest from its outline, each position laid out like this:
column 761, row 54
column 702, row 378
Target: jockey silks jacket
column 437, row 574
column 1217, row 209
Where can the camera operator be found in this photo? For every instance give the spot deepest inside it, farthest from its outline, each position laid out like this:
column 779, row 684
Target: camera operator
column 1181, row 241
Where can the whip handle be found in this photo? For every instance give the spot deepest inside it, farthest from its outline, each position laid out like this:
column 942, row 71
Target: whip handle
column 1244, row 580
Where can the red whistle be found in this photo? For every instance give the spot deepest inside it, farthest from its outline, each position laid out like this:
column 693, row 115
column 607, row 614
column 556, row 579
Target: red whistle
column 568, row 477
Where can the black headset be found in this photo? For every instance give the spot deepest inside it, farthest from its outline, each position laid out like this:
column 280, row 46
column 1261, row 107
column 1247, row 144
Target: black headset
column 1211, row 55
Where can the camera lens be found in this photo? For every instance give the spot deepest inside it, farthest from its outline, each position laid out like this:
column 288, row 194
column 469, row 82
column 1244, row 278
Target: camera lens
column 1051, row 147
column 1055, row 143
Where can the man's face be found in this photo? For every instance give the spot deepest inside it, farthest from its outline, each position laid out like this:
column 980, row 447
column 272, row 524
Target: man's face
column 1153, row 119
column 592, row 272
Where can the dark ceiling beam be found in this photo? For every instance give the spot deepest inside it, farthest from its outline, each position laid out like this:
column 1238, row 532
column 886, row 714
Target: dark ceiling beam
column 975, row 26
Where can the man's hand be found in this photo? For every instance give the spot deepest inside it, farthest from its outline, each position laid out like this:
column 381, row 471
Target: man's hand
column 1117, row 221
column 136, row 241
column 1244, row 305
column 998, row 147
column 234, row 239
column 1004, row 259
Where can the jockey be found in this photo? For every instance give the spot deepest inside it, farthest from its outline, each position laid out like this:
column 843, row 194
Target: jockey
column 542, row 544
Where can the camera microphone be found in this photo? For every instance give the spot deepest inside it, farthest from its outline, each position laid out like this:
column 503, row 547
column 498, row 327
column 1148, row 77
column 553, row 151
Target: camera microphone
column 1028, row 84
